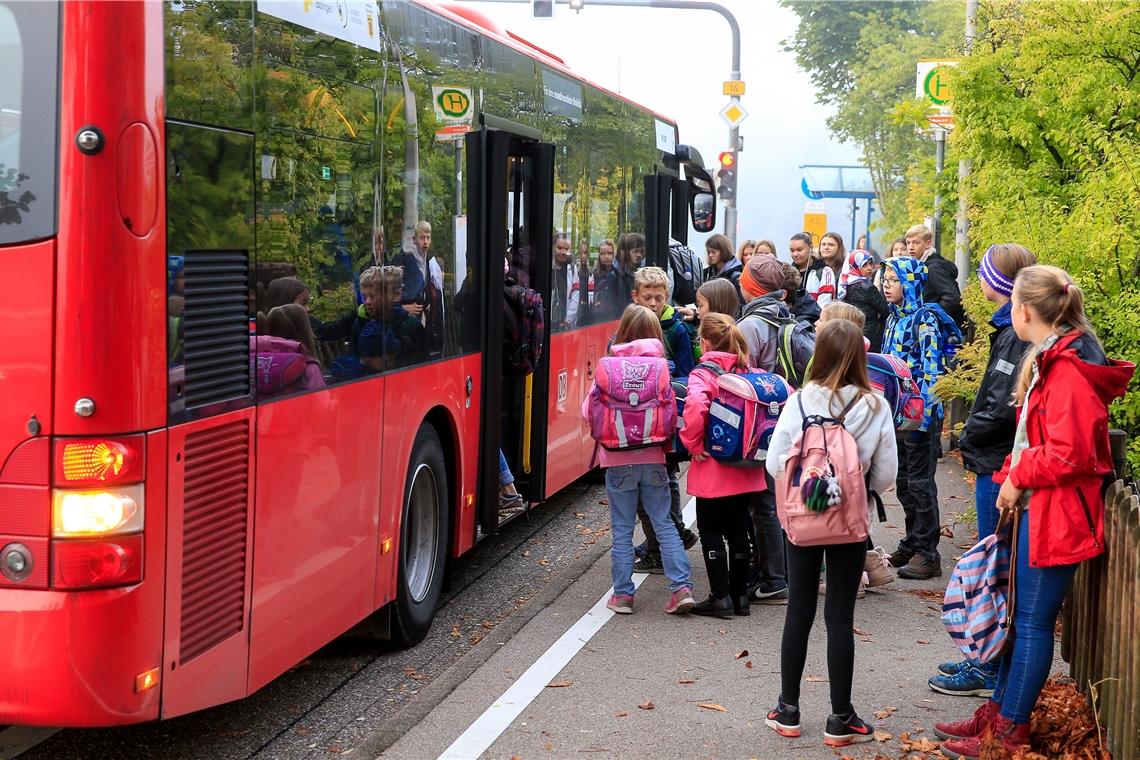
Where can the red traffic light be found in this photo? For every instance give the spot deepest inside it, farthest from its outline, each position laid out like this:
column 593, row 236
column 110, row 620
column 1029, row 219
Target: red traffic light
column 727, row 159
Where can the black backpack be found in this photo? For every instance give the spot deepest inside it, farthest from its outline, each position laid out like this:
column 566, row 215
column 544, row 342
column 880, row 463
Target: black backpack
column 687, row 273
column 524, row 330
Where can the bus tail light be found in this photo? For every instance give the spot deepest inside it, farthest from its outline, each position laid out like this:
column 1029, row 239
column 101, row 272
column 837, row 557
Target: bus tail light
column 77, row 513
column 97, row 563
column 98, row 461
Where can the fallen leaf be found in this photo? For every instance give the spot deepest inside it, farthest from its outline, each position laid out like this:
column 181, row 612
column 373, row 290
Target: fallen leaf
column 687, row 680
column 526, row 552
column 604, row 502
column 544, row 562
column 923, row 641
column 488, row 624
column 742, row 653
column 646, row 705
column 859, row 632
column 713, row 706
column 748, row 664
column 475, row 638
column 816, row 679
column 920, row 744
column 579, row 515
column 882, row 736
column 559, row 684
column 622, row 714
column 885, row 712
column 722, row 631
column 455, row 633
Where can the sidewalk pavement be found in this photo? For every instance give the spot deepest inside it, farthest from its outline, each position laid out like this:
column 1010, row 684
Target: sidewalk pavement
column 710, row 681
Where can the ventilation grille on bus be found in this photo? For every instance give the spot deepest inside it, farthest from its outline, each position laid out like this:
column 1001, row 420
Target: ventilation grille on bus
column 215, row 510
column 216, row 327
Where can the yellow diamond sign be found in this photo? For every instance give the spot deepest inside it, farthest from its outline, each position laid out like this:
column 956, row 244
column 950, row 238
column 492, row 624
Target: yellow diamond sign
column 733, row 114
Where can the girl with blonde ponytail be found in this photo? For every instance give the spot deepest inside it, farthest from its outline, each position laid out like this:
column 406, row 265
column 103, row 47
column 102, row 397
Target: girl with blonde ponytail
column 723, row 492
column 1055, row 473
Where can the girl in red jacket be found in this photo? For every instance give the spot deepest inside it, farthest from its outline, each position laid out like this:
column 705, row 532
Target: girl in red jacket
column 1056, row 471
column 722, row 492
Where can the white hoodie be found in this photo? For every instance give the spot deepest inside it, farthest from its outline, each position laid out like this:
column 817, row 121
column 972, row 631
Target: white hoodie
column 869, row 423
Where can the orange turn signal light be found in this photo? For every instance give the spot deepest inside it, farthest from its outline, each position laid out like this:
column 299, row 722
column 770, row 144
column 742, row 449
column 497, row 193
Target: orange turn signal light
column 147, row 680
column 98, row 461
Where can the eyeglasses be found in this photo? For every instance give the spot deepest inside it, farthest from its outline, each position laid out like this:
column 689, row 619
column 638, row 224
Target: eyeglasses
column 891, row 281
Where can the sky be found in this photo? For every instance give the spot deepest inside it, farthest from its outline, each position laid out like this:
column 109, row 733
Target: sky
column 675, row 61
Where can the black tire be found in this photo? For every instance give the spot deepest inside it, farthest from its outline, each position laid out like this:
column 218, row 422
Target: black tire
column 423, row 547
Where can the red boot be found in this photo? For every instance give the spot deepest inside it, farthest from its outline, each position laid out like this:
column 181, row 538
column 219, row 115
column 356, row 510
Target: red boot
column 965, row 729
column 1013, row 736
column 963, row 749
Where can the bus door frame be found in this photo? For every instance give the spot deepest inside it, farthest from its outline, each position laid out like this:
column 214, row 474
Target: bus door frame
column 489, row 150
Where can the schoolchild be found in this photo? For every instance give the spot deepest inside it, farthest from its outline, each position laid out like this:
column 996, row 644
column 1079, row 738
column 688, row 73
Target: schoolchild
column 818, row 277
column 912, row 334
column 839, row 388
column 1056, row 472
column 859, row 291
column 722, row 262
column 638, row 475
column 988, row 435
column 723, row 492
column 650, row 289
column 716, row 296
column 385, row 335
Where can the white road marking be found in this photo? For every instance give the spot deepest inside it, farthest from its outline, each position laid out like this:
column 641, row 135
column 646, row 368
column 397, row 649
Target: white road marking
column 15, row 740
column 481, row 734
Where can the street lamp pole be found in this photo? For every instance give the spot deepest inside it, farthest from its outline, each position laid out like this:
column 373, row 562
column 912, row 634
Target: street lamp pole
column 734, row 27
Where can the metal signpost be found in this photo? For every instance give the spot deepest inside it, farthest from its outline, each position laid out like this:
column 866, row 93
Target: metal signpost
column 933, row 84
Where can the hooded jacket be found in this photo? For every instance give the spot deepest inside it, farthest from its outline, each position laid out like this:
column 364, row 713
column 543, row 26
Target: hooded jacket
column 988, row 435
column 678, row 343
column 761, row 336
column 805, row 309
column 710, row 479
column 1068, row 456
column 942, row 285
column 650, row 455
column 869, row 422
column 731, row 272
column 924, row 354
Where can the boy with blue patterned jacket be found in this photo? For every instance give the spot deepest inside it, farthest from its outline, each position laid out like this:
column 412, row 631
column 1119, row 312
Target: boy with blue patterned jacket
column 914, row 333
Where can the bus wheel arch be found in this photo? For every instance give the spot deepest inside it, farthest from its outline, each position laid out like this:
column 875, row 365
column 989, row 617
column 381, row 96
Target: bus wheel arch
column 425, row 528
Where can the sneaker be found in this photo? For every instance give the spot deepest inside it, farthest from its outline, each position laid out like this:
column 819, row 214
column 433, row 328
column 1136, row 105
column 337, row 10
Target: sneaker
column 952, row 667
column 680, row 602
column 779, row 596
column 784, row 720
column 689, row 539
column 1014, row 736
column 621, row 604
column 963, row 749
column 900, row 557
column 920, row 569
column 970, row 681
column 877, row 568
column 842, row 730
column 641, row 550
column 971, row 728
column 511, row 505
column 650, row 563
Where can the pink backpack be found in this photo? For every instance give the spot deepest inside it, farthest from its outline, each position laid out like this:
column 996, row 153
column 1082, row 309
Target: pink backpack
column 632, row 404
column 743, row 414
column 822, row 496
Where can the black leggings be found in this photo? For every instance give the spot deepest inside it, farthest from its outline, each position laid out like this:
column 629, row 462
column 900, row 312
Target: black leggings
column 721, row 520
column 844, row 570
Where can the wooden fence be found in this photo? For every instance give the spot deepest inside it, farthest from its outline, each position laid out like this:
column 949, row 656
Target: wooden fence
column 1101, row 624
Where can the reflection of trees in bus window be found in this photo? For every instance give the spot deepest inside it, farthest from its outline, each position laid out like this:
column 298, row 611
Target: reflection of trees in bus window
column 209, row 52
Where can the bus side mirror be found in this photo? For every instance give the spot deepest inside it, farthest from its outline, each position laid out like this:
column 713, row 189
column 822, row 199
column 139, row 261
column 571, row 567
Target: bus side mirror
column 702, row 209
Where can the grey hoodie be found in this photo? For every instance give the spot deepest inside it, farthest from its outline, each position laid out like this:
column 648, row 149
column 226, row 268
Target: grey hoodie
column 760, row 336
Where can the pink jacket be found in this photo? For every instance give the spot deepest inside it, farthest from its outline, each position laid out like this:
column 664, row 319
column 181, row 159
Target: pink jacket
column 710, row 479
column 652, row 455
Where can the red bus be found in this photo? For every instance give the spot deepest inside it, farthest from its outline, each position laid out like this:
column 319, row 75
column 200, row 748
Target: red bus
column 232, row 429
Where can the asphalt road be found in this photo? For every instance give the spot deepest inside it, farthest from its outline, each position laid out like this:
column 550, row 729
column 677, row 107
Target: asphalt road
column 354, row 689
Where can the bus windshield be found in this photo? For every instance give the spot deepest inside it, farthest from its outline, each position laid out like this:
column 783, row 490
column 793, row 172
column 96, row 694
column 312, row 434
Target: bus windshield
column 29, row 35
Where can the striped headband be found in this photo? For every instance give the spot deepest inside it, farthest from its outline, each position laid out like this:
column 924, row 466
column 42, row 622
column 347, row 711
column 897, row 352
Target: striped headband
column 993, row 276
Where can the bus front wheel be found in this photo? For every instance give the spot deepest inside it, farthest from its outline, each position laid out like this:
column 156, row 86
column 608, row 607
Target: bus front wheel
column 423, row 539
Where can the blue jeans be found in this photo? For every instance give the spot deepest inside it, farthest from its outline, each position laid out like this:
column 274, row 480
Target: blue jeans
column 985, row 503
column 1022, row 672
column 505, row 476
column 625, row 485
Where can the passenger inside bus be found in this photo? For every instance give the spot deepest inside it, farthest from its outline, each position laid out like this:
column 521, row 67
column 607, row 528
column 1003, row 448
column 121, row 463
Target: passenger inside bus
column 423, row 286
column 385, row 335
column 608, row 300
column 630, row 255
column 565, row 288
column 286, row 352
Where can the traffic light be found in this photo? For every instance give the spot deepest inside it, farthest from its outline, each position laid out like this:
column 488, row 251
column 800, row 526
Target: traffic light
column 727, row 175
column 542, row 8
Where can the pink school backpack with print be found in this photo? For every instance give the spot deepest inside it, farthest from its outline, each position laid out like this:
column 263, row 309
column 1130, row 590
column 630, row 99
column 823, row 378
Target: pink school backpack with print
column 631, row 405
column 822, row 496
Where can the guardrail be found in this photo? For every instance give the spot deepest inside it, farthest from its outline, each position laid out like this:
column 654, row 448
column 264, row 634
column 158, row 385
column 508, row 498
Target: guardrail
column 1101, row 621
